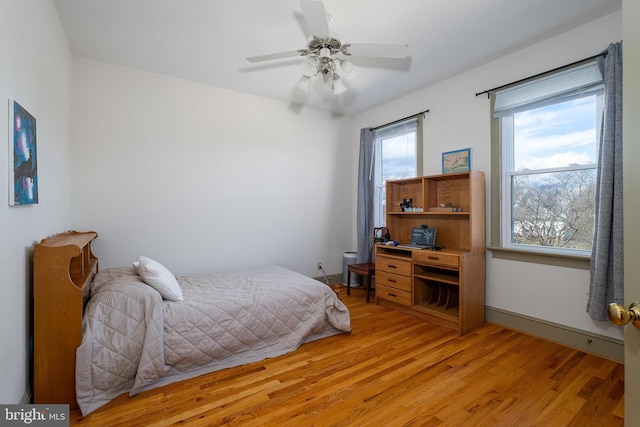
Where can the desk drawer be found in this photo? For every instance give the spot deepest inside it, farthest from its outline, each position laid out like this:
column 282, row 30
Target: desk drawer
column 393, row 266
column 394, row 281
column 437, row 258
column 391, row 294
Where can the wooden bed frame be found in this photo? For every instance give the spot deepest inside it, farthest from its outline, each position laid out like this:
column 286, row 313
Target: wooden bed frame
column 63, row 267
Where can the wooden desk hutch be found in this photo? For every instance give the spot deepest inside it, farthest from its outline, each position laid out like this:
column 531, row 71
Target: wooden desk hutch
column 446, row 287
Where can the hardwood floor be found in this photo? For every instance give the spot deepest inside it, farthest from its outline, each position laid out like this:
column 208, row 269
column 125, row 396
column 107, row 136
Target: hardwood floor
column 392, row 370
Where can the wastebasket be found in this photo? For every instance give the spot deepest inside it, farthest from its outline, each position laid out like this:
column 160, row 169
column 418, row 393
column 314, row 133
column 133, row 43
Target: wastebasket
column 349, row 258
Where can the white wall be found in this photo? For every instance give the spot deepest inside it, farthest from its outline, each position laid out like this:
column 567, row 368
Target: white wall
column 203, row 178
column 35, row 70
column 459, row 119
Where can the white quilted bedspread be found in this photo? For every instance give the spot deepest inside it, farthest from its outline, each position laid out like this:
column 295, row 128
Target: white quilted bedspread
column 134, row 341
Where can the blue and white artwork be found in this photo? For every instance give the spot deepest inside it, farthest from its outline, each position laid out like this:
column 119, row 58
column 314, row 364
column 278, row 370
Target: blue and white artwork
column 23, row 185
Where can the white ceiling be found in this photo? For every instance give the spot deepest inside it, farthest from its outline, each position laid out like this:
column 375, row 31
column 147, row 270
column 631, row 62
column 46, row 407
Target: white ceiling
column 207, row 41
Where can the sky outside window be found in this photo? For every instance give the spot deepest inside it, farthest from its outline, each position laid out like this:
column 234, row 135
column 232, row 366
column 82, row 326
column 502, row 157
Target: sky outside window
column 556, row 135
column 398, row 154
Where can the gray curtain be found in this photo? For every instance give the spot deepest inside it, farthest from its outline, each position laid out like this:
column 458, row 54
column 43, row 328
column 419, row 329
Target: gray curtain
column 606, row 284
column 365, row 195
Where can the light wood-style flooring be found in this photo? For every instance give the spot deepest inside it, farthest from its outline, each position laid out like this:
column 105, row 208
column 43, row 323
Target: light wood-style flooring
column 392, row 370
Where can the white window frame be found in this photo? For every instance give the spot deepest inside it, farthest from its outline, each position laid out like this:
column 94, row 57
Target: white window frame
column 502, row 173
column 392, row 130
column 508, row 173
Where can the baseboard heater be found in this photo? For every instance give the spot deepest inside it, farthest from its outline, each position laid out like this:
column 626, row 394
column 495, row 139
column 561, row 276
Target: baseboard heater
column 588, row 342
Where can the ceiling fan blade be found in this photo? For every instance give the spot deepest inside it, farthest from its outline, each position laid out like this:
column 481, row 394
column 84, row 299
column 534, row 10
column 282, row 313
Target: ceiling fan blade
column 376, row 50
column 271, row 56
column 316, row 18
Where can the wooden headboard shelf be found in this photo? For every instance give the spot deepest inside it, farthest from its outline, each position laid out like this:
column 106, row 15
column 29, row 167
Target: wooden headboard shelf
column 63, row 267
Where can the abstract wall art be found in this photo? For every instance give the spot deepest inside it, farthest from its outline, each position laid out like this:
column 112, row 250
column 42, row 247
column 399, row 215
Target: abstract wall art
column 23, row 165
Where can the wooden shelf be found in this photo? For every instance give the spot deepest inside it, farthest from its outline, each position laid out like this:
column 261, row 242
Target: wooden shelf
column 441, row 311
column 444, row 278
column 429, row 213
column 71, row 238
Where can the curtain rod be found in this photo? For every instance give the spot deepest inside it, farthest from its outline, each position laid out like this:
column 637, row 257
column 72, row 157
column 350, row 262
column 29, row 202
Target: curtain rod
column 541, row 74
column 400, row 120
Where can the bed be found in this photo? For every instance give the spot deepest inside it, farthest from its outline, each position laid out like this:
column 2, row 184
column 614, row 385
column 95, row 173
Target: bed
column 143, row 328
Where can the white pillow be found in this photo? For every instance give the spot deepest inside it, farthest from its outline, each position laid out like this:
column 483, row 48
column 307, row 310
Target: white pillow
column 159, row 278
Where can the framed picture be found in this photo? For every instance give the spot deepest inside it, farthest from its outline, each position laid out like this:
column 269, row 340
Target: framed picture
column 23, row 165
column 456, row 161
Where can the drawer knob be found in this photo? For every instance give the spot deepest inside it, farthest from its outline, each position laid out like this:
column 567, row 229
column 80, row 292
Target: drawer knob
column 391, row 266
column 392, row 295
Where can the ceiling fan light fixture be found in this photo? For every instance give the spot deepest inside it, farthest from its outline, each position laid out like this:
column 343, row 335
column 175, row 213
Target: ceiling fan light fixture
column 324, row 51
column 338, row 86
column 309, row 67
column 346, row 69
column 333, row 83
column 304, row 83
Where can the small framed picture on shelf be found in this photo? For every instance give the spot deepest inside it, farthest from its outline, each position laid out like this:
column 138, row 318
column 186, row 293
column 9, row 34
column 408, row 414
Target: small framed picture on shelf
column 456, row 161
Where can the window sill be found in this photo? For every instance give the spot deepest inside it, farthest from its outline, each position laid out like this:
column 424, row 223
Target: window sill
column 561, row 260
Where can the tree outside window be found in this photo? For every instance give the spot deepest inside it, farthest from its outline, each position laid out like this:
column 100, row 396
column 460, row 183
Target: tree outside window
column 549, row 179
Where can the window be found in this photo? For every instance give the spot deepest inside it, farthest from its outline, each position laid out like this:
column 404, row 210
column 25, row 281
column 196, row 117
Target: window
column 397, row 154
column 546, row 143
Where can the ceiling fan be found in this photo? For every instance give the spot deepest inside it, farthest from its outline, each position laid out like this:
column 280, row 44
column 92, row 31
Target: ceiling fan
column 325, row 53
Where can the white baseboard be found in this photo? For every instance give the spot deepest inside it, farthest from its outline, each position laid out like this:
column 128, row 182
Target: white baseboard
column 588, row 342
